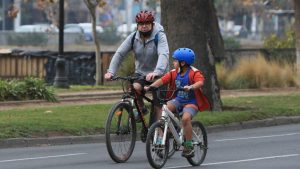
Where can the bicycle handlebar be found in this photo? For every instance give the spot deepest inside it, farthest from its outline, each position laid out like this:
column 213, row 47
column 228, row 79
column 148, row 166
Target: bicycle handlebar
column 128, row 78
column 133, row 78
column 164, row 100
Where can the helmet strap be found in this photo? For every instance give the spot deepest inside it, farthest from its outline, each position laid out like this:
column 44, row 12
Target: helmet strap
column 181, row 68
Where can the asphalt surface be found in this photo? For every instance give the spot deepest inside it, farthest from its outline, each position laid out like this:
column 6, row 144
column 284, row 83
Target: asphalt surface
column 275, row 147
column 30, row 142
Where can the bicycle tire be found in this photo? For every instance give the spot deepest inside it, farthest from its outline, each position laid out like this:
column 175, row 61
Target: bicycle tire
column 156, row 154
column 200, row 148
column 120, row 132
column 172, row 149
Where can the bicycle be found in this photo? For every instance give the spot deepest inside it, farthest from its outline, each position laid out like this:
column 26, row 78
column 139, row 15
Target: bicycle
column 169, row 126
column 120, row 130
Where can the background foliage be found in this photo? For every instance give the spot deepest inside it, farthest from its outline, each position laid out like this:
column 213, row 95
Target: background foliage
column 28, row 89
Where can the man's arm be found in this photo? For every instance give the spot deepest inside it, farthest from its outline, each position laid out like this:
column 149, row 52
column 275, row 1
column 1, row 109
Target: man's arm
column 120, row 54
column 162, row 65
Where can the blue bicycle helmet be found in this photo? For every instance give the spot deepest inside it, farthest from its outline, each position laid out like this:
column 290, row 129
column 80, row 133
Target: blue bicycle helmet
column 184, row 54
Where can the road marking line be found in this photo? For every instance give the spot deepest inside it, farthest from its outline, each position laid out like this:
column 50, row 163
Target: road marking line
column 45, row 157
column 253, row 159
column 239, row 161
column 257, row 137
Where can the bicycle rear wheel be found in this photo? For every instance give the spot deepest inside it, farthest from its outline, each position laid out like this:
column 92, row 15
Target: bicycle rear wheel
column 157, row 154
column 200, row 144
column 120, row 132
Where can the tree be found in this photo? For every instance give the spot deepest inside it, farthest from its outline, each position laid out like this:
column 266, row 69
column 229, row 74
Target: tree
column 194, row 24
column 92, row 6
column 297, row 31
column 50, row 7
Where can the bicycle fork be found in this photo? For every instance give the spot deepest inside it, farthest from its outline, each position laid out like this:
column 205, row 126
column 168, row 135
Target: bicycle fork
column 169, row 119
column 166, row 118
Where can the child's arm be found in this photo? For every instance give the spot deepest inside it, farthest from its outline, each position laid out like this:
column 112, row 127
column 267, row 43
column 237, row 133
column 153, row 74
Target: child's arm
column 157, row 83
column 194, row 86
column 199, row 82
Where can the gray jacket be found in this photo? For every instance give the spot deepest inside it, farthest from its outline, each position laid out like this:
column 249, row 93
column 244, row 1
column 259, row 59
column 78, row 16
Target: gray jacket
column 148, row 57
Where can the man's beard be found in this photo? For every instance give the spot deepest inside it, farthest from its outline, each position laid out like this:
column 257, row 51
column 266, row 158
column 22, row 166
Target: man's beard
column 146, row 34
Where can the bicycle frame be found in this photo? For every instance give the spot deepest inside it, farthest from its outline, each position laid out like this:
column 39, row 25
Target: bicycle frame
column 131, row 97
column 170, row 121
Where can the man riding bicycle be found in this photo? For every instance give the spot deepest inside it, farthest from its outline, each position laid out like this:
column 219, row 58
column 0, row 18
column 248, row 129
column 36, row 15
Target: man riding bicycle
column 150, row 47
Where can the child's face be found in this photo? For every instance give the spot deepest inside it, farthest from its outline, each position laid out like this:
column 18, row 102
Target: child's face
column 175, row 64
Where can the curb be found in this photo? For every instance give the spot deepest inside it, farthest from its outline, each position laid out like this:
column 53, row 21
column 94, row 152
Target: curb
column 51, row 141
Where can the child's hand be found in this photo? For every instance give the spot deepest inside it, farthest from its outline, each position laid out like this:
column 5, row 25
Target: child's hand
column 188, row 88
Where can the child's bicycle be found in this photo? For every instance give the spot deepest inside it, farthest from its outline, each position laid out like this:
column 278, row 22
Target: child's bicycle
column 169, row 126
column 120, row 129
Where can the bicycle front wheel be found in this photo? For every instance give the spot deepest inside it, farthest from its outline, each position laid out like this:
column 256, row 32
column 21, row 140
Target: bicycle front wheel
column 172, row 148
column 120, row 132
column 157, row 153
column 200, row 144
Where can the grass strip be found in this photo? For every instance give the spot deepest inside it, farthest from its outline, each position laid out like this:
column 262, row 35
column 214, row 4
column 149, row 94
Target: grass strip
column 90, row 119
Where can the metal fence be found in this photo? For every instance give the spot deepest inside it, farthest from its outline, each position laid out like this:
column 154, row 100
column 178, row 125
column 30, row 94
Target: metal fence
column 282, row 55
column 81, row 67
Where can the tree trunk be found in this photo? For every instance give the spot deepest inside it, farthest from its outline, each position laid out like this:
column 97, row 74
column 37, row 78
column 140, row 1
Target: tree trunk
column 99, row 77
column 193, row 24
column 92, row 6
column 297, row 31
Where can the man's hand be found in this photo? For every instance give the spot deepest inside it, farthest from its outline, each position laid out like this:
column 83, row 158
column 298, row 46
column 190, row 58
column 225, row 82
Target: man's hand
column 151, row 76
column 146, row 88
column 108, row 76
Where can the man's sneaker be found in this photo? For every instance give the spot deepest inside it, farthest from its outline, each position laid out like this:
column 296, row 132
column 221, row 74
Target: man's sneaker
column 188, row 152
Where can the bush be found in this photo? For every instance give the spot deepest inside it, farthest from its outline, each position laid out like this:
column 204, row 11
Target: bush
column 128, row 66
column 109, row 36
column 231, row 43
column 28, row 89
column 274, row 42
column 26, row 39
column 256, row 73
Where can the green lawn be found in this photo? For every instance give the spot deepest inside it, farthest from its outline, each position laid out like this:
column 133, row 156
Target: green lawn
column 90, row 119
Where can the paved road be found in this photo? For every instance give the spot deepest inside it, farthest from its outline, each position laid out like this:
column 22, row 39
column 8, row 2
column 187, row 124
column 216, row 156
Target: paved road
column 260, row 148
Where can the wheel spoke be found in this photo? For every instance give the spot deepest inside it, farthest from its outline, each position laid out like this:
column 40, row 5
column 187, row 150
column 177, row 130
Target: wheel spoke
column 120, row 133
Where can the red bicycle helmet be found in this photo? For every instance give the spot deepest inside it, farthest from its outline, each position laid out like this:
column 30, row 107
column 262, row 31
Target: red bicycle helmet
column 144, row 16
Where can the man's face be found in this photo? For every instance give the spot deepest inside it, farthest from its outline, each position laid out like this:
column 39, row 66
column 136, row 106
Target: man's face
column 144, row 27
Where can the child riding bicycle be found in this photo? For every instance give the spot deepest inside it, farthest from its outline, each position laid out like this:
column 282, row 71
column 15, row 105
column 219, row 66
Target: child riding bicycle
column 189, row 101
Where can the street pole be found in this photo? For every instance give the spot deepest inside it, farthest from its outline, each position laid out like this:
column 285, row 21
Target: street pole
column 129, row 15
column 4, row 14
column 61, row 79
